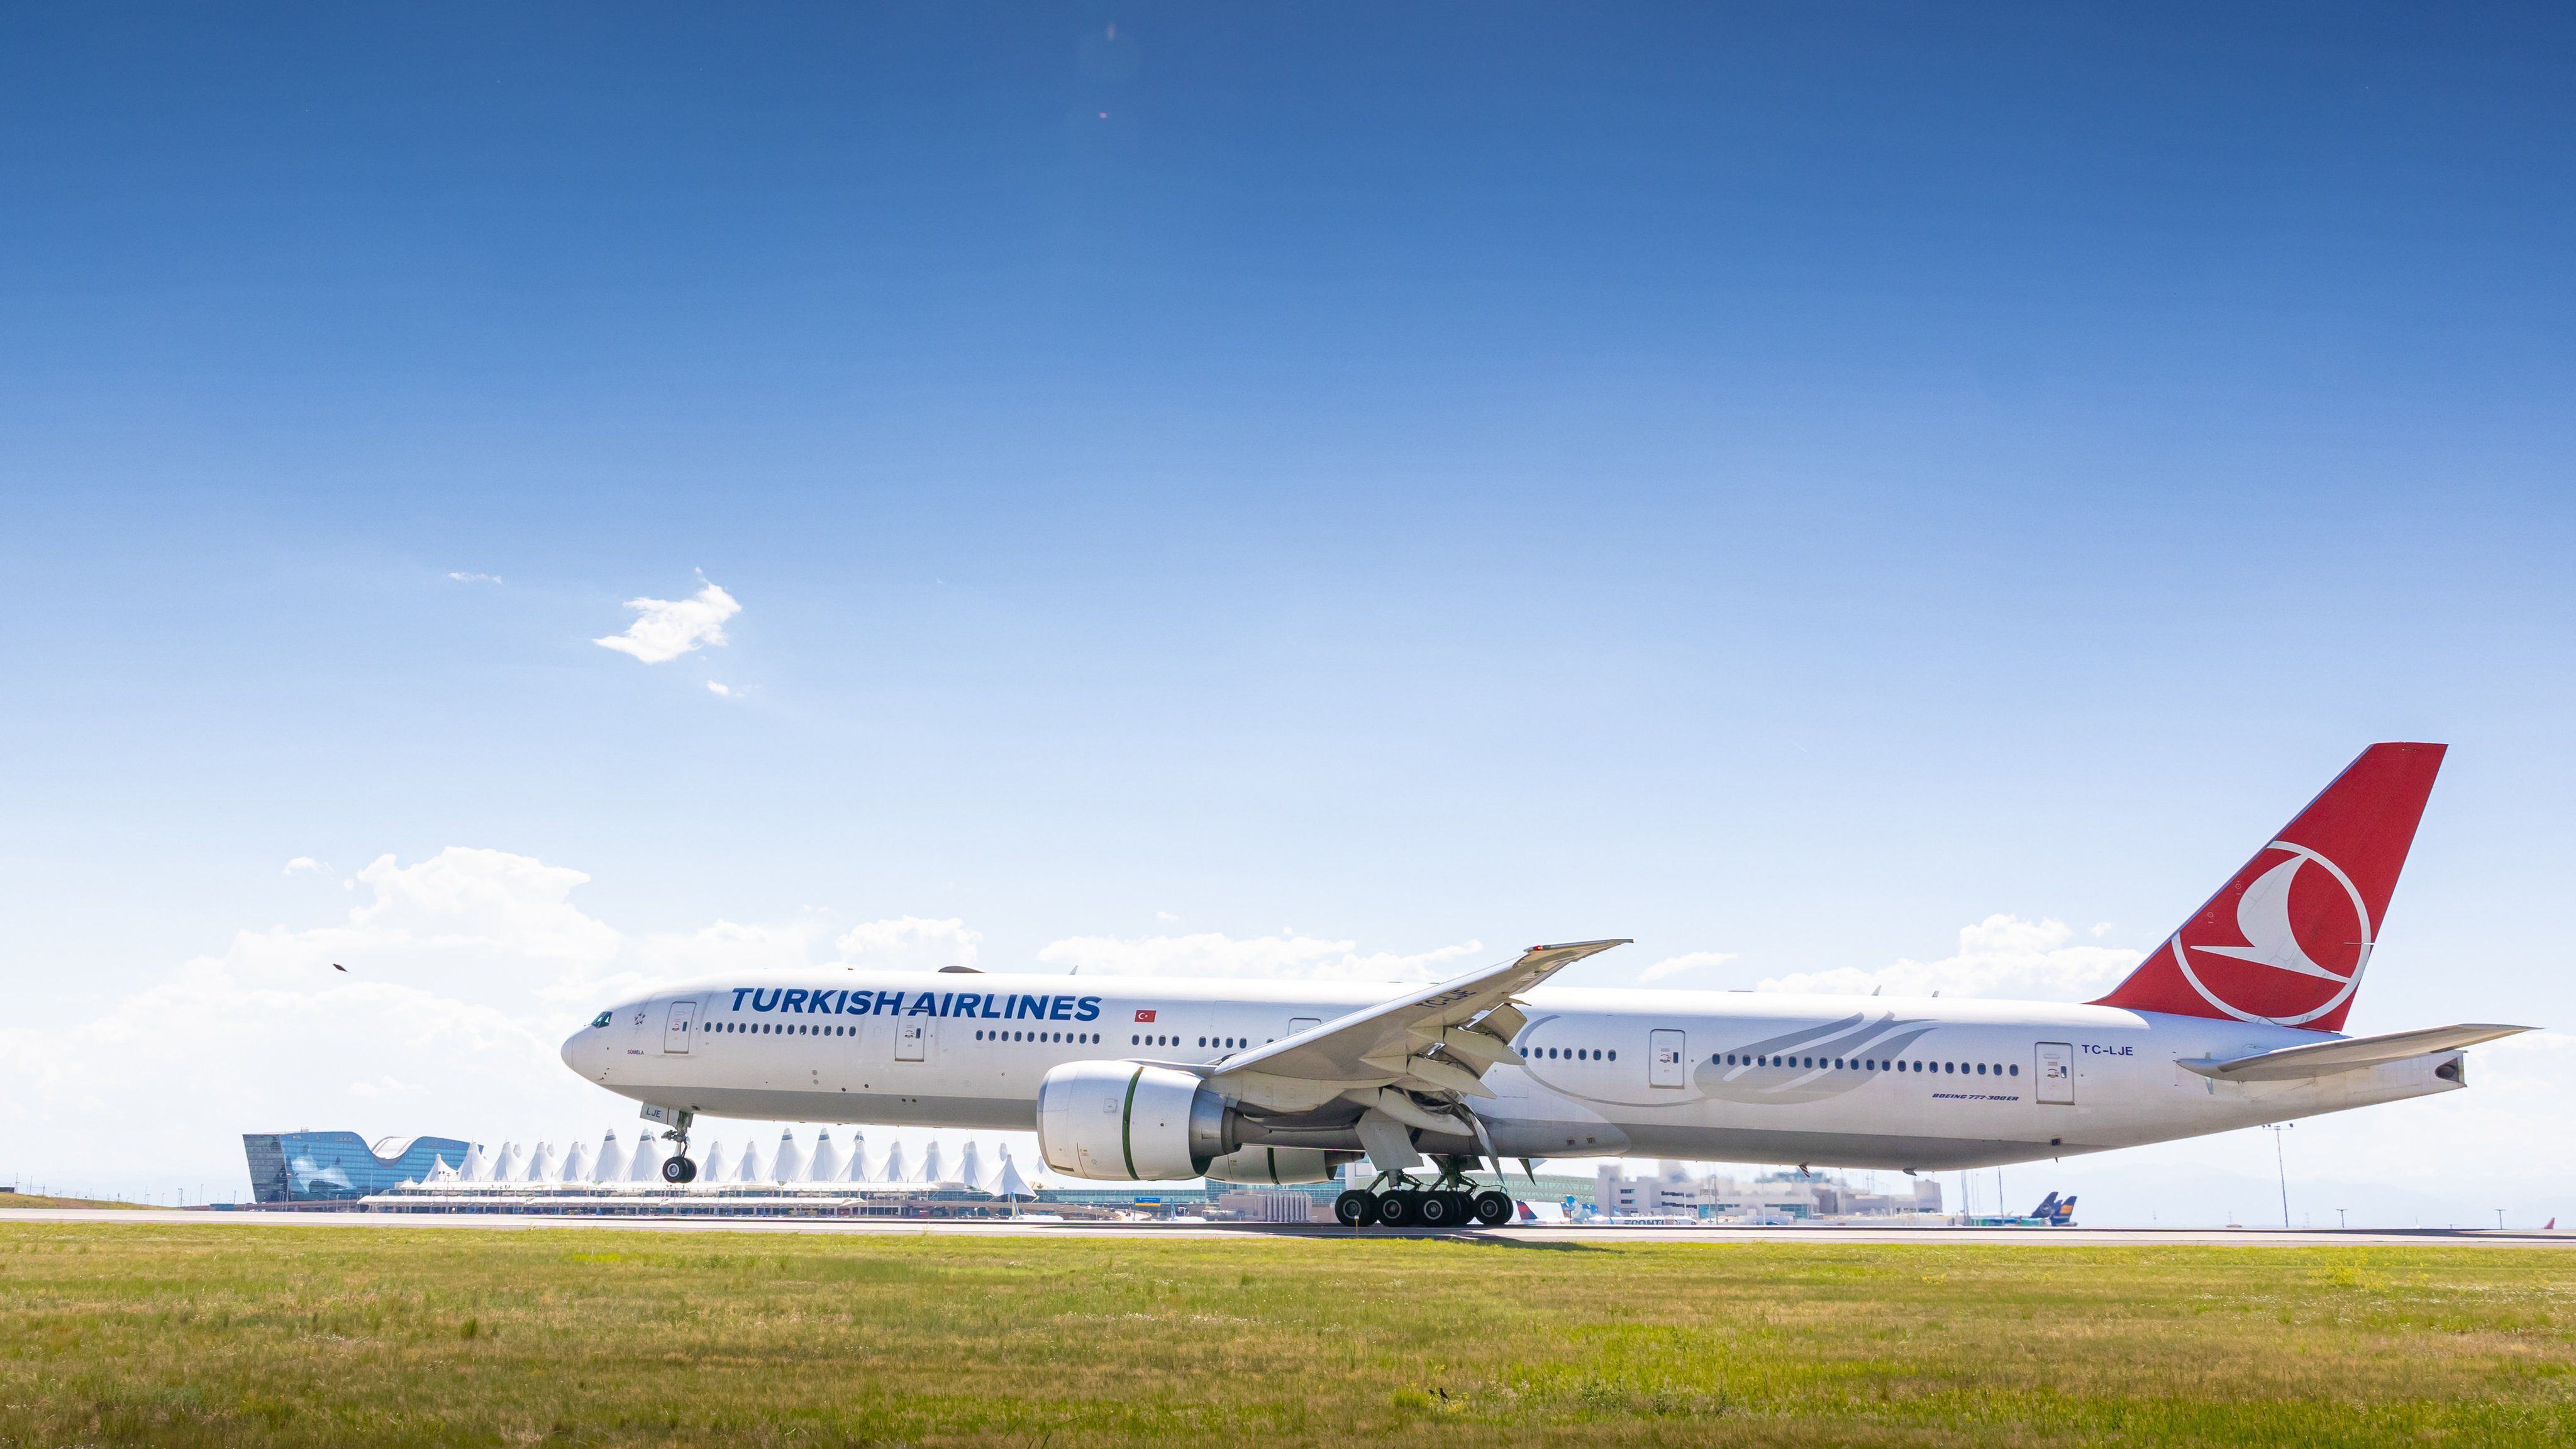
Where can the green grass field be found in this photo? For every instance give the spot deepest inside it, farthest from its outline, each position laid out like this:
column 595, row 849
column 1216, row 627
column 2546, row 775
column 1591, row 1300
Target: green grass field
column 113, row 1334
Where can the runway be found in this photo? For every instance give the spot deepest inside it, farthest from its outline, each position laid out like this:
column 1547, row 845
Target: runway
column 1587, row 1236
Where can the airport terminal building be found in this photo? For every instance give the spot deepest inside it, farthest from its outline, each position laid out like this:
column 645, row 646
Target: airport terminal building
column 309, row 1167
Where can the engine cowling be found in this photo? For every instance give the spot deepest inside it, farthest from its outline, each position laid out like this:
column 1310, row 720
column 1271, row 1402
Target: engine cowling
column 1278, row 1165
column 1128, row 1122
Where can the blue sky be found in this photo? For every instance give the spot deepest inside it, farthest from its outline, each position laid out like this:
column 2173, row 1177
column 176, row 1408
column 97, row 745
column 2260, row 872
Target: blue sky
column 1780, row 484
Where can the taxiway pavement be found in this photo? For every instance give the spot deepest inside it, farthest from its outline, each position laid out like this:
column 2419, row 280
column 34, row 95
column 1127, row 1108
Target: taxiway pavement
column 1005, row 1227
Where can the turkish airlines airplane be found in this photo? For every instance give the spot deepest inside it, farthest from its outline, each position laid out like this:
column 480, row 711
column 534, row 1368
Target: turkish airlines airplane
column 2236, row 1019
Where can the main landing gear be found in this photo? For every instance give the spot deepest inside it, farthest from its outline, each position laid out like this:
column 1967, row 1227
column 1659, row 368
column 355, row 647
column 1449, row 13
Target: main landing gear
column 1452, row 1201
column 677, row 1169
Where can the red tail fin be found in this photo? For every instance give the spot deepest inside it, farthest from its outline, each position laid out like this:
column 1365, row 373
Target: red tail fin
column 2286, row 941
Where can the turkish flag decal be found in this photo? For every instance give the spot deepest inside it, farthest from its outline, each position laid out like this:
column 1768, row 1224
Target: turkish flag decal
column 1144, row 1016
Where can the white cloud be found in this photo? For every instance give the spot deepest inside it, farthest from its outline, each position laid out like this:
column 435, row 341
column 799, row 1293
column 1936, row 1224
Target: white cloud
column 909, row 943
column 724, row 690
column 1687, row 961
column 305, row 863
column 1998, row 956
column 669, row 628
column 1285, row 955
column 466, row 578
column 465, row 972
column 468, row 968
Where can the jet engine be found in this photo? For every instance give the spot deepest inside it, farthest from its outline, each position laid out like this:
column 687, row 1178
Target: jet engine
column 1128, row 1122
column 1278, row 1165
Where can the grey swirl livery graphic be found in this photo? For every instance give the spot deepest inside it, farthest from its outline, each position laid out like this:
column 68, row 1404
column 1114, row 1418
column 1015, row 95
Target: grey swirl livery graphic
column 1785, row 1068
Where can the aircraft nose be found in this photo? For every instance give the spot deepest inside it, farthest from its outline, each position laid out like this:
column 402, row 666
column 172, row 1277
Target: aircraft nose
column 571, row 1046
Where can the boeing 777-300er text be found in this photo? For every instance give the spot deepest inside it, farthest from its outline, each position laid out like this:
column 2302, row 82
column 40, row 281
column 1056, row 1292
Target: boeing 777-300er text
column 2235, row 1019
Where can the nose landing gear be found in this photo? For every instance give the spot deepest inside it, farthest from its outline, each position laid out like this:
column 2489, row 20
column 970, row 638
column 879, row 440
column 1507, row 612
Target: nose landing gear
column 677, row 1169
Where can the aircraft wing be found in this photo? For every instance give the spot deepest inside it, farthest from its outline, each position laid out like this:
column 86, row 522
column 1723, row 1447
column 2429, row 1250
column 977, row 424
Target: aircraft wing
column 1440, row 1039
column 2351, row 1054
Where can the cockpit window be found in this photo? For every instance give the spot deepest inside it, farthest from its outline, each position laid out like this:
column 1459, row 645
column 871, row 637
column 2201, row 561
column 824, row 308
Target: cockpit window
column 601, row 1019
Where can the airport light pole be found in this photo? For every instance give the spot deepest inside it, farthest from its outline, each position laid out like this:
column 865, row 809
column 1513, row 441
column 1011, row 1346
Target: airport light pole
column 2281, row 1164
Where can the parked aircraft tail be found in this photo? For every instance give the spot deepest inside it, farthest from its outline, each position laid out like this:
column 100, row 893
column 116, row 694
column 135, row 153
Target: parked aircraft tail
column 2286, row 939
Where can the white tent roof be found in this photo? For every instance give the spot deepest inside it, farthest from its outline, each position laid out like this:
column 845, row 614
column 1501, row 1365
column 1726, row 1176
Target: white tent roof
column 477, row 1168
column 612, row 1159
column 934, row 1168
column 895, row 1169
column 751, row 1168
column 576, row 1164
column 511, row 1164
column 644, row 1164
column 789, row 1164
column 828, row 1161
column 719, row 1162
column 970, row 1167
column 1007, row 1181
column 541, row 1167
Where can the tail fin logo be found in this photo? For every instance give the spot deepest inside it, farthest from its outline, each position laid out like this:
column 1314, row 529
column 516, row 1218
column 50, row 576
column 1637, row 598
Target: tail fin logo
column 2285, row 940
column 2306, row 987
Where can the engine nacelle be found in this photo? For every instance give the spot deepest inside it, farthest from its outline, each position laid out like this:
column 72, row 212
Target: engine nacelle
column 1127, row 1122
column 1279, row 1165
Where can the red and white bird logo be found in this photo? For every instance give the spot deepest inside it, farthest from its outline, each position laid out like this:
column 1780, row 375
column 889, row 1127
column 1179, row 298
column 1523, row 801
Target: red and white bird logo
column 2301, row 919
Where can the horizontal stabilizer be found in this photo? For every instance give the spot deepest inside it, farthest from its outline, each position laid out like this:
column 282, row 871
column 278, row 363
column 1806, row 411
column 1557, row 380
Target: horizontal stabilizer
column 2352, row 1054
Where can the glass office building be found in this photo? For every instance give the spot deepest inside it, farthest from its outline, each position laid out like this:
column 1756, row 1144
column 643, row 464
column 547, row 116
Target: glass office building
column 339, row 1166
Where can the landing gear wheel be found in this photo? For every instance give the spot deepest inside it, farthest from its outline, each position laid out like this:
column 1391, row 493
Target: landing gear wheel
column 678, row 1170
column 1355, row 1209
column 1493, row 1207
column 1440, row 1210
column 1399, row 1209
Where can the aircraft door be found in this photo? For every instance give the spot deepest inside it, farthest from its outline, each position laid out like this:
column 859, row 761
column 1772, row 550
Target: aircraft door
column 1667, row 1059
column 2057, row 1073
column 676, row 1030
column 1301, row 1024
column 912, row 1039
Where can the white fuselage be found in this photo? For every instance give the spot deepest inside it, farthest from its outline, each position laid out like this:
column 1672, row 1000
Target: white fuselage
column 1885, row 1082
